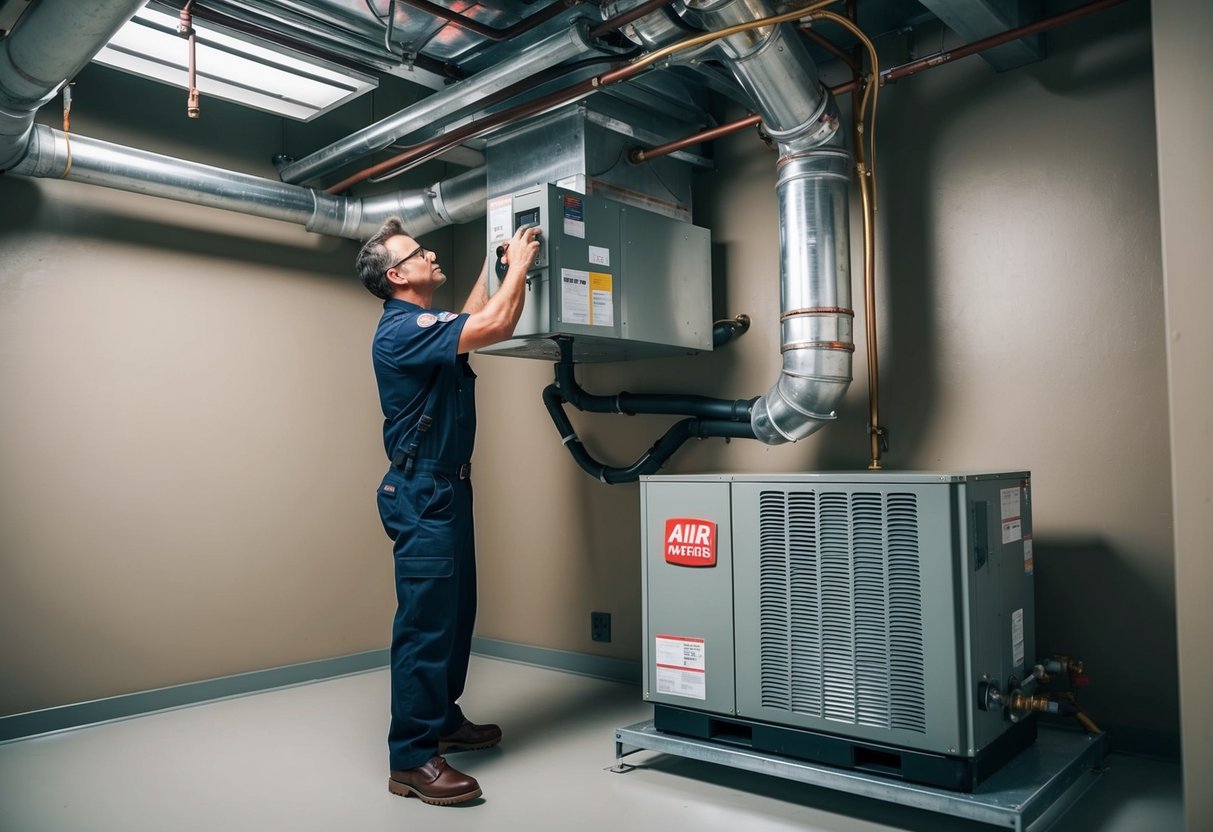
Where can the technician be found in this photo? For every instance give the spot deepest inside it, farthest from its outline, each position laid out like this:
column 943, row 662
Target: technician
column 427, row 391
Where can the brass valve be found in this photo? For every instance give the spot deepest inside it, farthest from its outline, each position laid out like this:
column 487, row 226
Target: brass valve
column 1019, row 703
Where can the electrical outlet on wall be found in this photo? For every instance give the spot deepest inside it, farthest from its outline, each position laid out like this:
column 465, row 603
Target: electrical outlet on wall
column 600, row 626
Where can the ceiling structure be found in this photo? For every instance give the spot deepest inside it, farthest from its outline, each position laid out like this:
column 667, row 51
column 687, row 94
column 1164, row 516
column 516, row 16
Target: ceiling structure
column 441, row 44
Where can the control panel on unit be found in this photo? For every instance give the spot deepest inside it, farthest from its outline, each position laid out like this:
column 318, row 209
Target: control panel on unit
column 527, row 209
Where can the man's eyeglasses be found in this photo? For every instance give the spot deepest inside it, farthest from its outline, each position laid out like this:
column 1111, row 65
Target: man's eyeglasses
column 422, row 250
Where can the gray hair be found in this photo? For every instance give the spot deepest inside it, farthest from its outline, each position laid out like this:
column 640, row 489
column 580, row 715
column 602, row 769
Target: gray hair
column 374, row 259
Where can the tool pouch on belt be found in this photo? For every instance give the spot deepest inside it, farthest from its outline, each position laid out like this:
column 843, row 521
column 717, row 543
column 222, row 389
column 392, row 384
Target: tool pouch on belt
column 405, row 456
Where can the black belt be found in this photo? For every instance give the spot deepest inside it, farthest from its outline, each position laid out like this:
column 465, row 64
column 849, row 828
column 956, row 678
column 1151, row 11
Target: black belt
column 459, row 470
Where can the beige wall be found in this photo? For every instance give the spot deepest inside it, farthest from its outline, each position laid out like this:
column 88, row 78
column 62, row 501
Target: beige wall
column 189, row 433
column 1021, row 323
column 1185, row 123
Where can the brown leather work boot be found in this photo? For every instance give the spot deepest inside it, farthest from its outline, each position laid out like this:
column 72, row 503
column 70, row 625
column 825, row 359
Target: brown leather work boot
column 435, row 783
column 470, row 737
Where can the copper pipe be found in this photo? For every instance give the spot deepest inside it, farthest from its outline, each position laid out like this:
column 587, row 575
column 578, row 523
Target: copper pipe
column 185, row 28
column 976, row 46
column 640, row 154
column 619, row 21
column 484, row 30
column 468, row 131
column 845, row 88
column 829, row 46
column 875, row 431
column 1087, row 723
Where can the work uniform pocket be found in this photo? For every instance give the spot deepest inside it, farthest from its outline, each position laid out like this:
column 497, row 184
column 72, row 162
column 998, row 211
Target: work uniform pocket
column 441, row 495
column 387, row 498
column 411, row 567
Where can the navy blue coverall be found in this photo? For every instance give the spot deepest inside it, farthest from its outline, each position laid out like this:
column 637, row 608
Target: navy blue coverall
column 427, row 391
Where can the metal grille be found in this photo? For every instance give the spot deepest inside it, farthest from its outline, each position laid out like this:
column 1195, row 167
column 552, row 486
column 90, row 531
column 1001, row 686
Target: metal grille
column 840, row 610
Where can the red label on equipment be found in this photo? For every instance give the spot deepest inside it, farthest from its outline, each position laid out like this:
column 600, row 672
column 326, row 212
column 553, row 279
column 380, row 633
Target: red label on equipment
column 690, row 541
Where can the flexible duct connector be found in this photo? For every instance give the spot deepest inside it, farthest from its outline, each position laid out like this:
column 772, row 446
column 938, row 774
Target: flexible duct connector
column 97, row 162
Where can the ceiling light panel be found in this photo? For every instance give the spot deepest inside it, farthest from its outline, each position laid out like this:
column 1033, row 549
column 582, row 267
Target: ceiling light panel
column 232, row 66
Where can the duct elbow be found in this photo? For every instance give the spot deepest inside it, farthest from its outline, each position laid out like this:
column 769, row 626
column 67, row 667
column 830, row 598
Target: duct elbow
column 806, row 396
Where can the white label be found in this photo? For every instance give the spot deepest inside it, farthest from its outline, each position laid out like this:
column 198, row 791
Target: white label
column 1010, row 503
column 1017, row 638
column 688, row 683
column 600, row 256
column 1027, row 554
column 499, row 218
column 681, row 652
column 574, row 228
column 1012, row 530
column 681, row 666
column 574, row 296
column 1012, row 527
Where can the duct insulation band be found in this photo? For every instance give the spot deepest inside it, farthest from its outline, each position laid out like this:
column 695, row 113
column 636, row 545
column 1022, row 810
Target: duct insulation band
column 815, row 284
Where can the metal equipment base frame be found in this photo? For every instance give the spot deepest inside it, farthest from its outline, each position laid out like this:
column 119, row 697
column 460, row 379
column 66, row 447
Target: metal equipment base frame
column 1028, row 793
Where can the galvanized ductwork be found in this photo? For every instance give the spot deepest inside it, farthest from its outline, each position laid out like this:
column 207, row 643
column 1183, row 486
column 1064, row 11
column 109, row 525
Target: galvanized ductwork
column 96, row 162
column 440, row 107
column 57, row 38
column 773, row 66
column 54, row 40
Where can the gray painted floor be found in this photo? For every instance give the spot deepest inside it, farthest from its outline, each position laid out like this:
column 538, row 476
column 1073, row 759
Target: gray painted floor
column 312, row 757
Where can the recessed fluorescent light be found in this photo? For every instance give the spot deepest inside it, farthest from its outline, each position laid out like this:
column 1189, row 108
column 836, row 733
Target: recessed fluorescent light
column 232, row 66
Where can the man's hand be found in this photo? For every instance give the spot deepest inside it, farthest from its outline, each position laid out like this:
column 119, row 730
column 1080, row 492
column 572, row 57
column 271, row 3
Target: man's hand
column 495, row 321
column 522, row 249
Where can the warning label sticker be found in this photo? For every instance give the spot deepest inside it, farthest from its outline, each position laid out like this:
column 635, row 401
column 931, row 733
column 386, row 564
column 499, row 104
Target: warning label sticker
column 681, row 667
column 1017, row 638
column 1027, row 554
column 499, row 218
column 602, row 298
column 574, row 216
column 1012, row 525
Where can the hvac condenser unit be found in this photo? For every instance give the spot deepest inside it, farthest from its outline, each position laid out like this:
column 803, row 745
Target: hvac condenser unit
column 859, row 620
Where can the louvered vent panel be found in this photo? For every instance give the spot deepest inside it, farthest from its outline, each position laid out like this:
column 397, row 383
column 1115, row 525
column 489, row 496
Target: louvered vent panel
column 840, row 611
column 871, row 611
column 837, row 613
column 907, row 665
column 805, row 598
column 774, row 616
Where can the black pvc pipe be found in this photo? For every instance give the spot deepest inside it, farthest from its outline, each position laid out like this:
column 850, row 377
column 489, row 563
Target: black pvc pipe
column 651, row 461
column 668, row 404
column 725, row 331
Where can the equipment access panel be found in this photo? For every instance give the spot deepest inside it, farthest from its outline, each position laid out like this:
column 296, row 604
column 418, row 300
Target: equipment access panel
column 621, row 281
